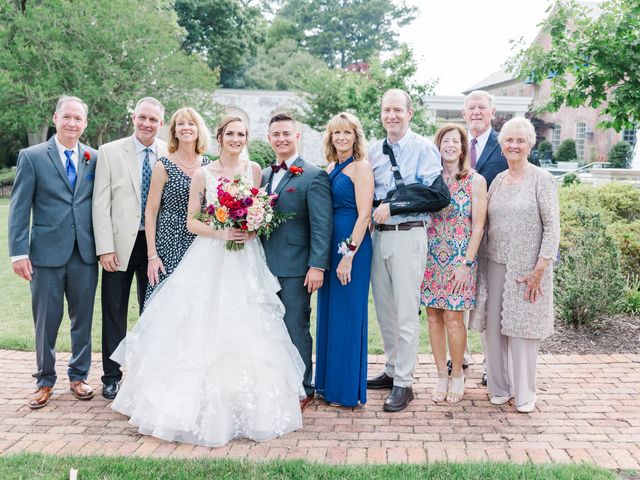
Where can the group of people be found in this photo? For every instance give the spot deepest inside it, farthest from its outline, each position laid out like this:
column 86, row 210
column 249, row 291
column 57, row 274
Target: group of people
column 223, row 347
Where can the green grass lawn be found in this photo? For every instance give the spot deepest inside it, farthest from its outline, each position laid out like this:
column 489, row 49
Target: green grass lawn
column 31, row 466
column 16, row 322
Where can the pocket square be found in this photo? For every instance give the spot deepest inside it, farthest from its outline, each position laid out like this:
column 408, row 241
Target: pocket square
column 291, row 190
column 91, row 176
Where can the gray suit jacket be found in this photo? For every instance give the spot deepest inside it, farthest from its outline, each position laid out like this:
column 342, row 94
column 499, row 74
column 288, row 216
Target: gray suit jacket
column 303, row 241
column 47, row 217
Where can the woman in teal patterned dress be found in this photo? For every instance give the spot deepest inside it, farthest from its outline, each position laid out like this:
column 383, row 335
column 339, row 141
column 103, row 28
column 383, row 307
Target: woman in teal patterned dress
column 449, row 285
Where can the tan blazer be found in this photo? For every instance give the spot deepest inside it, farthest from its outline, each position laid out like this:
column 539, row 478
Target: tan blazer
column 116, row 198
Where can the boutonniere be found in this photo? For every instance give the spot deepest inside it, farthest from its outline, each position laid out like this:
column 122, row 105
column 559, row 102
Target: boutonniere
column 87, row 157
column 297, row 171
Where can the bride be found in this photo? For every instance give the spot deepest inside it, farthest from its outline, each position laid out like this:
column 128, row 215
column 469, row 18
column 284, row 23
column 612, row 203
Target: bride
column 210, row 358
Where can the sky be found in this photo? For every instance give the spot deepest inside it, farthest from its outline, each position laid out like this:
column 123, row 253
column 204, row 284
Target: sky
column 462, row 42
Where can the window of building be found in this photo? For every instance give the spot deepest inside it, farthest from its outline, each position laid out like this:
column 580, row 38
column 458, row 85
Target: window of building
column 630, row 137
column 555, row 136
column 581, row 131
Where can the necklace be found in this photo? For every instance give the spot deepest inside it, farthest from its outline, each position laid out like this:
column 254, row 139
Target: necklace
column 512, row 180
column 184, row 165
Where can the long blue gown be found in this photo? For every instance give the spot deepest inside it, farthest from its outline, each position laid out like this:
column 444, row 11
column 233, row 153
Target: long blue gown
column 341, row 340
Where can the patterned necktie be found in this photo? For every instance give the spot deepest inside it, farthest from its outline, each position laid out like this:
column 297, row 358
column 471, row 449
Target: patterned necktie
column 145, row 183
column 71, row 169
column 473, row 154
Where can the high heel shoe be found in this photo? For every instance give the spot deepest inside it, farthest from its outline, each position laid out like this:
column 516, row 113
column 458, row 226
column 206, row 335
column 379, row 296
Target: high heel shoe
column 456, row 389
column 439, row 393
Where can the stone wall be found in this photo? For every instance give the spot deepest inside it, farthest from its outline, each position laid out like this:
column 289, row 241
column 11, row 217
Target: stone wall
column 257, row 107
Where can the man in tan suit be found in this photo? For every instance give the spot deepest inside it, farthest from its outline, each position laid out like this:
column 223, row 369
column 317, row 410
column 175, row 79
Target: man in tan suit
column 120, row 194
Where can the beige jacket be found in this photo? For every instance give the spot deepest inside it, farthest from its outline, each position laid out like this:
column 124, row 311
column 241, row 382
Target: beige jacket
column 116, row 198
column 523, row 223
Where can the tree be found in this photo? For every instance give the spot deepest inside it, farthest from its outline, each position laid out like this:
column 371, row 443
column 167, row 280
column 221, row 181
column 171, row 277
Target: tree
column 284, row 66
column 591, row 61
column 620, row 155
column 348, row 31
column 107, row 53
column 226, row 33
column 332, row 91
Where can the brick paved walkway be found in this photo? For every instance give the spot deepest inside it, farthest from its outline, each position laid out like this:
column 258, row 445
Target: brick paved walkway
column 588, row 411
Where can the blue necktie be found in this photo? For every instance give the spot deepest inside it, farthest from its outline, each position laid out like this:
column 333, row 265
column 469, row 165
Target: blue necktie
column 145, row 183
column 71, row 169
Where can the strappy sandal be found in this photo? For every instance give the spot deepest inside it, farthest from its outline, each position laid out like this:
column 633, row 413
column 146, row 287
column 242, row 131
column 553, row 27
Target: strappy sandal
column 439, row 393
column 456, row 389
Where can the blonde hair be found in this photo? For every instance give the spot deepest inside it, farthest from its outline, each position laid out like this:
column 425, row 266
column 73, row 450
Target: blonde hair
column 340, row 122
column 204, row 137
column 464, row 164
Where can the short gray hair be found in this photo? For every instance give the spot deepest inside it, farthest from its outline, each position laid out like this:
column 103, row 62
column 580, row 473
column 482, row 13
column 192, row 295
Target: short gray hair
column 152, row 101
column 479, row 93
column 521, row 125
column 68, row 98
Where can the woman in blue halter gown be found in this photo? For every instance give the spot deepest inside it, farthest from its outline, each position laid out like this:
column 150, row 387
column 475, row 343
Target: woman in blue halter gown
column 341, row 341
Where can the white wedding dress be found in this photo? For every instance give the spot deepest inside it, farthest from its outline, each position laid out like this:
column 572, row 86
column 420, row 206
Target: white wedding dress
column 210, row 358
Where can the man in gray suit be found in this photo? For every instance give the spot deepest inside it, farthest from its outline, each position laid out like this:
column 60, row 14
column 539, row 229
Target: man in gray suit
column 298, row 251
column 51, row 198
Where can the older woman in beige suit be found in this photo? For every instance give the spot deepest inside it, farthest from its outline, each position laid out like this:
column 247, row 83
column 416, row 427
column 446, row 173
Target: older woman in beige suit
column 515, row 280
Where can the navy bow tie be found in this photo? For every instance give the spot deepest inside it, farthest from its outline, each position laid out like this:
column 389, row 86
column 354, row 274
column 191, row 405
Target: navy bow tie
column 277, row 167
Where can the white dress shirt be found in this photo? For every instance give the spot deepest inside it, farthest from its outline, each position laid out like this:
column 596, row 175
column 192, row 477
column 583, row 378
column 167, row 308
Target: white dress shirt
column 153, row 154
column 281, row 173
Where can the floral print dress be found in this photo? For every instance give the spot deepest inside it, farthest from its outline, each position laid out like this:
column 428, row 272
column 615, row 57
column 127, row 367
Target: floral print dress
column 449, row 235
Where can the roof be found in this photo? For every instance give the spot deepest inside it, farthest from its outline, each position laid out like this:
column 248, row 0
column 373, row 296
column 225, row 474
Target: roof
column 496, row 78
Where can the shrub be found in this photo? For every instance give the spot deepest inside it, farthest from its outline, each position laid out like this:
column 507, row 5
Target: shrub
column 589, row 284
column 570, row 179
column 627, row 236
column 620, row 155
column 567, row 151
column 621, row 199
column 261, row 152
column 632, row 302
column 543, row 146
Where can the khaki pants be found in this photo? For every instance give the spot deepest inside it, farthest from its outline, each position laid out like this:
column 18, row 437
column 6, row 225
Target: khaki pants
column 397, row 269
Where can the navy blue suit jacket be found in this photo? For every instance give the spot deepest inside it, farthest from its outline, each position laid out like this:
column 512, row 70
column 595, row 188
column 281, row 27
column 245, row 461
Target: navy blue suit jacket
column 491, row 162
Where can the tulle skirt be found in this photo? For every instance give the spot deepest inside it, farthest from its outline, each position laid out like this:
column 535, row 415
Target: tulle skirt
column 210, row 358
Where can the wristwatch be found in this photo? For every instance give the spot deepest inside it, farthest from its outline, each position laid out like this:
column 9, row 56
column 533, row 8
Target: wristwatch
column 469, row 263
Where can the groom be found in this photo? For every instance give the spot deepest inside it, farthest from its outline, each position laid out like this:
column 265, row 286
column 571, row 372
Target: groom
column 298, row 251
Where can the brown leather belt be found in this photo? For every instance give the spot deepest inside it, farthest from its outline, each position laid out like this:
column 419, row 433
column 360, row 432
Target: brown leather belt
column 400, row 226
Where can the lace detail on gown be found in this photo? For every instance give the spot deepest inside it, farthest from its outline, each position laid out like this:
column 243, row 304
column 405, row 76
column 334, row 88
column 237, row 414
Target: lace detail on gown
column 210, row 358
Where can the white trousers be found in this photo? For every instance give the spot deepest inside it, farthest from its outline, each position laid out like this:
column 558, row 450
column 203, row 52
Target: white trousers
column 397, row 269
column 511, row 362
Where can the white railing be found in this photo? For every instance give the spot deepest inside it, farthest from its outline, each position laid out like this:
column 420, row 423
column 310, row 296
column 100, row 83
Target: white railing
column 584, row 167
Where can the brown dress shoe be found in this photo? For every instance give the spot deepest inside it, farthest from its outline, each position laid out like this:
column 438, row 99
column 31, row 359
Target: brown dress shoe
column 81, row 390
column 40, row 397
column 305, row 402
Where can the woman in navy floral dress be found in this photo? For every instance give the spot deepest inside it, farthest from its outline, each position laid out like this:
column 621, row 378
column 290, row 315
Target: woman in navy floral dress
column 169, row 239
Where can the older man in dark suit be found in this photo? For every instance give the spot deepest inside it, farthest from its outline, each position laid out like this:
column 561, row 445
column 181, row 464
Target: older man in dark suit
column 298, row 251
column 52, row 246
column 485, row 153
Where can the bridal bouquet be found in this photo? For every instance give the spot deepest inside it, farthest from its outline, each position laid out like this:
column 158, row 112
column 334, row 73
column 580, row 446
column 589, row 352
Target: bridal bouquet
column 238, row 204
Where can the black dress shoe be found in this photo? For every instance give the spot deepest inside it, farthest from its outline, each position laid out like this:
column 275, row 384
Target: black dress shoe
column 484, row 378
column 110, row 389
column 398, row 399
column 381, row 381
column 450, row 367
